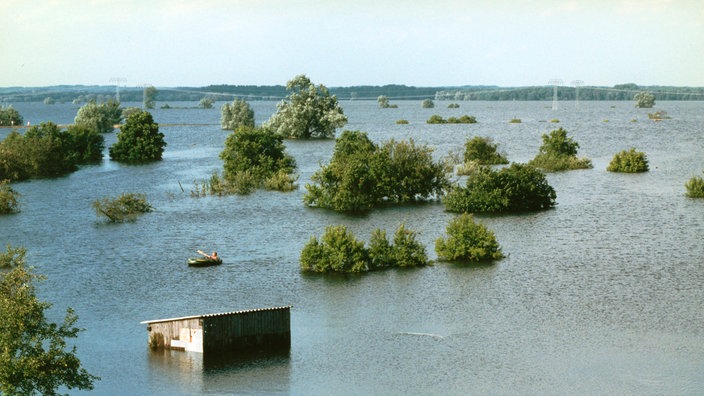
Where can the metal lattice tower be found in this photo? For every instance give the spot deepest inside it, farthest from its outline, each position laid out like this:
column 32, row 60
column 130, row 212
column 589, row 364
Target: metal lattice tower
column 555, row 82
column 118, row 81
column 577, row 84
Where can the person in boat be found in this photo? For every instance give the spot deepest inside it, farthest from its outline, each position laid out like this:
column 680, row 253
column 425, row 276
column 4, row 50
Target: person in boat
column 213, row 256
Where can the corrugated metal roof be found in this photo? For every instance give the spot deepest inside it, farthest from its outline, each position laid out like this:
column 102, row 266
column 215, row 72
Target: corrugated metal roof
column 216, row 314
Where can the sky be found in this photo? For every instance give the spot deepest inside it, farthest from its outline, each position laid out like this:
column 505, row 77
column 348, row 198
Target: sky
column 170, row 43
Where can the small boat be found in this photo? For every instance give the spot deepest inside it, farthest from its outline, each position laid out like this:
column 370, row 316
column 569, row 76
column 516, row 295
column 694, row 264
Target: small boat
column 203, row 262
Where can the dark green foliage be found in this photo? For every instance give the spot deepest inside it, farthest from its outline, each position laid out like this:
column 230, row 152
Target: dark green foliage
column 517, row 188
column 483, row 151
column 644, row 100
column 139, row 140
column 383, row 101
column 362, row 175
column 9, row 199
column 87, row 144
column 559, row 152
column 339, row 251
column 695, row 187
column 406, row 250
column 126, row 207
column 309, row 112
column 468, row 241
column 427, row 104
column 465, row 119
column 630, row 161
column 236, row 114
column 255, row 157
column 9, row 116
column 453, row 106
column 34, row 353
column 206, row 103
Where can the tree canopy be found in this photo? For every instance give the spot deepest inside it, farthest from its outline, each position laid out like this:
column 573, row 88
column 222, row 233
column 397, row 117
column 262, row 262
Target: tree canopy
column 34, row 353
column 338, row 250
column 309, row 111
column 9, row 116
column 257, row 151
column 559, row 152
column 9, row 198
column 139, row 139
column 484, row 151
column 644, row 100
column 630, row 161
column 517, row 188
column 467, row 241
column 362, row 175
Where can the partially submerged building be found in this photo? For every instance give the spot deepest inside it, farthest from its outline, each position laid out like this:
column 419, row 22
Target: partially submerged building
column 257, row 329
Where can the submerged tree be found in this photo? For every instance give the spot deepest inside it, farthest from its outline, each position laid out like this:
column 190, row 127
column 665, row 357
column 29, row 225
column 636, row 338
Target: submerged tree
column 139, row 140
column 517, row 188
column 362, row 175
column 695, row 187
column 126, row 207
column 630, row 161
column 468, row 241
column 309, row 112
column 9, row 116
column 101, row 118
column 483, row 151
column 9, row 198
column 34, row 353
column 644, row 100
column 236, row 114
column 559, row 152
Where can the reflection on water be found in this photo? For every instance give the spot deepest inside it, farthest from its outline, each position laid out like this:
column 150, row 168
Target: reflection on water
column 600, row 295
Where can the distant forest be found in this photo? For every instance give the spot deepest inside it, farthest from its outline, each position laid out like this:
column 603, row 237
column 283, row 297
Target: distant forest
column 101, row 93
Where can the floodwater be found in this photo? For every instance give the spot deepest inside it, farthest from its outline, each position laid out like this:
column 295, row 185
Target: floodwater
column 601, row 295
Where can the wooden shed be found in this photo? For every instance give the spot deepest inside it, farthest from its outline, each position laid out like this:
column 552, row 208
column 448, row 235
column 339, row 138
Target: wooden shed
column 256, row 329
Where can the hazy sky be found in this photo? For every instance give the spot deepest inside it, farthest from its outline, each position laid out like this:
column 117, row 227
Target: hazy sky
column 170, row 43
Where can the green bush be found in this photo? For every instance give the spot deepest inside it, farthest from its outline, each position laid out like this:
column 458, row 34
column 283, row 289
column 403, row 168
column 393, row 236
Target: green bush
column 453, row 106
column 517, row 188
column 403, row 122
column 695, row 187
column 12, row 257
column 468, row 241
column 9, row 198
column 139, row 140
column 514, row 121
column 256, row 157
column 468, row 168
column 9, row 116
column 338, row 250
column 362, row 175
column 483, row 151
column 644, row 100
column 465, row 119
column 126, row 207
column 559, row 152
column 427, row 104
column 630, row 161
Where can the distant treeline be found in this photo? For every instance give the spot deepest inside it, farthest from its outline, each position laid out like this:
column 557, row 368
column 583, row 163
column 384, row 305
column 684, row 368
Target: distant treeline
column 100, row 93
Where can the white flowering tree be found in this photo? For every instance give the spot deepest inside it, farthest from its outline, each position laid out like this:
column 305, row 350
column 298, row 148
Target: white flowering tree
column 236, row 114
column 309, row 111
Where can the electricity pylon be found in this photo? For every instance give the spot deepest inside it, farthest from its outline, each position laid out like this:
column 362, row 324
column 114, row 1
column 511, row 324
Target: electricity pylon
column 117, row 81
column 577, row 84
column 555, row 82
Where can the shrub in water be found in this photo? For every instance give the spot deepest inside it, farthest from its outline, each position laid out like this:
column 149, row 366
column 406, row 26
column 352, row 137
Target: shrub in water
column 483, row 151
column 9, row 198
column 559, row 152
column 517, row 188
column 126, row 207
column 468, row 241
column 630, row 161
column 695, row 187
